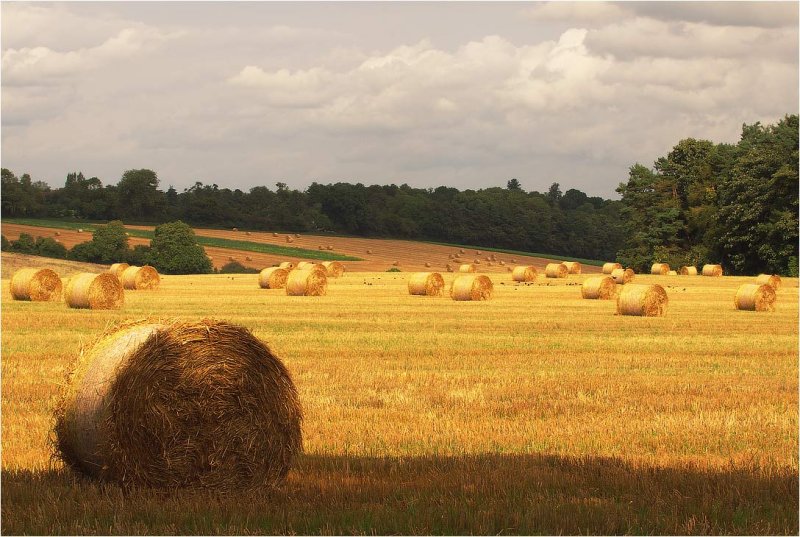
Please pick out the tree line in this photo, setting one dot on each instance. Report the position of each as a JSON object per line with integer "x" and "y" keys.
{"x": 734, "y": 204}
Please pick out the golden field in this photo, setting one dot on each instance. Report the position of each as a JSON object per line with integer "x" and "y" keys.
{"x": 536, "y": 412}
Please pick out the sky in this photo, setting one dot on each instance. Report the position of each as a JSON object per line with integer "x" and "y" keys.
{"x": 459, "y": 94}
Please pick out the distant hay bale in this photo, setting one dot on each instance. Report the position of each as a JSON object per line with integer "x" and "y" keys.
{"x": 462, "y": 252}
{"x": 286, "y": 265}
{"x": 478, "y": 252}
{"x": 139, "y": 278}
{"x": 369, "y": 251}
{"x": 524, "y": 273}
{"x": 556, "y": 270}
{"x": 574, "y": 267}
{"x": 501, "y": 263}
{"x": 642, "y": 300}
{"x": 274, "y": 234}
{"x": 167, "y": 405}
{"x": 599, "y": 287}
{"x": 672, "y": 273}
{"x": 513, "y": 260}
{"x": 427, "y": 265}
{"x": 306, "y": 265}
{"x": 396, "y": 264}
{"x": 289, "y": 239}
{"x": 477, "y": 262}
{"x": 488, "y": 263}
{"x": 471, "y": 287}
{"x": 320, "y": 247}
{"x": 273, "y": 278}
{"x": 688, "y": 271}
{"x": 466, "y": 267}
{"x": 755, "y": 297}
{"x": 36, "y": 285}
{"x": 661, "y": 269}
{"x": 58, "y": 233}
{"x": 118, "y": 268}
{"x": 235, "y": 229}
{"x": 773, "y": 280}
{"x": 307, "y": 282}
{"x": 426, "y": 284}
{"x": 333, "y": 269}
{"x": 80, "y": 230}
{"x": 450, "y": 256}
{"x": 330, "y": 247}
{"x": 623, "y": 276}
{"x": 248, "y": 258}
{"x": 94, "y": 291}
{"x": 712, "y": 270}
{"x": 296, "y": 235}
{"x": 448, "y": 267}
{"x": 247, "y": 233}
{"x": 608, "y": 268}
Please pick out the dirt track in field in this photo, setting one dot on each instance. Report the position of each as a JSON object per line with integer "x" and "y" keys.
{"x": 377, "y": 254}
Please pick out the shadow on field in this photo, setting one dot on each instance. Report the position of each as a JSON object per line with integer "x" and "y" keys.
{"x": 517, "y": 494}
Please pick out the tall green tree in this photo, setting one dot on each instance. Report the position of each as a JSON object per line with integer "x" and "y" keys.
{"x": 174, "y": 250}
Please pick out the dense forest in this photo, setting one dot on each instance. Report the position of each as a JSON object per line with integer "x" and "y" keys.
{"x": 702, "y": 202}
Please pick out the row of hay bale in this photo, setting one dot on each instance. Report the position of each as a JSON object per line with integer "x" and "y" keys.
{"x": 463, "y": 288}
{"x": 305, "y": 279}
{"x": 663, "y": 269}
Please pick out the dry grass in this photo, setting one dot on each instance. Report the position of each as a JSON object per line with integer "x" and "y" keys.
{"x": 443, "y": 417}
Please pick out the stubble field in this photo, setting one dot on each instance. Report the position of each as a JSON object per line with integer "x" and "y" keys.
{"x": 535, "y": 412}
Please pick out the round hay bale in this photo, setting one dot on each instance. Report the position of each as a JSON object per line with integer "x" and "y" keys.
{"x": 574, "y": 267}
{"x": 661, "y": 269}
{"x": 289, "y": 239}
{"x": 599, "y": 287}
{"x": 608, "y": 268}
{"x": 247, "y": 233}
{"x": 642, "y": 300}
{"x": 286, "y": 265}
{"x": 58, "y": 233}
{"x": 773, "y": 280}
{"x": 427, "y": 265}
{"x": 118, "y": 268}
{"x": 80, "y": 230}
{"x": 688, "y": 271}
{"x": 462, "y": 252}
{"x": 524, "y": 273}
{"x": 448, "y": 267}
{"x": 94, "y": 291}
{"x": 248, "y": 258}
{"x": 304, "y": 264}
{"x": 510, "y": 269}
{"x": 330, "y": 247}
{"x": 556, "y": 270}
{"x": 477, "y": 262}
{"x": 296, "y": 235}
{"x": 478, "y": 252}
{"x": 369, "y": 251}
{"x": 501, "y": 263}
{"x": 488, "y": 263}
{"x": 471, "y": 287}
{"x": 712, "y": 270}
{"x": 168, "y": 405}
{"x": 273, "y": 278}
{"x": 137, "y": 278}
{"x": 320, "y": 247}
{"x": 235, "y": 229}
{"x": 307, "y": 282}
{"x": 274, "y": 234}
{"x": 426, "y": 284}
{"x": 396, "y": 264}
{"x": 672, "y": 273}
{"x": 755, "y": 297}
{"x": 623, "y": 276}
{"x": 466, "y": 267}
{"x": 36, "y": 285}
{"x": 334, "y": 269}
{"x": 513, "y": 260}
{"x": 450, "y": 256}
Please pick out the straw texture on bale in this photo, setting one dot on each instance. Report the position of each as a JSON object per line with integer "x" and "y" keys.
{"x": 712, "y": 270}
{"x": 773, "y": 280}
{"x": 574, "y": 267}
{"x": 118, "y": 268}
{"x": 599, "y": 287}
{"x": 334, "y": 269}
{"x": 755, "y": 297}
{"x": 94, "y": 291}
{"x": 273, "y": 278}
{"x": 661, "y": 269}
{"x": 642, "y": 300}
{"x": 286, "y": 265}
{"x": 556, "y": 270}
{"x": 426, "y": 284}
{"x": 524, "y": 273}
{"x": 467, "y": 267}
{"x": 672, "y": 273}
{"x": 622, "y": 276}
{"x": 307, "y": 282}
{"x": 471, "y": 287}
{"x": 168, "y": 405}
{"x": 36, "y": 285}
{"x": 608, "y": 268}
{"x": 688, "y": 271}
{"x": 145, "y": 277}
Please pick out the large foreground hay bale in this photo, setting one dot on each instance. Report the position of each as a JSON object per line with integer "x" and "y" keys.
{"x": 467, "y": 268}
{"x": 773, "y": 280}
{"x": 334, "y": 269}
{"x": 524, "y": 273}
{"x": 599, "y": 287}
{"x": 755, "y": 297}
{"x": 471, "y": 287}
{"x": 37, "y": 285}
{"x": 574, "y": 267}
{"x": 145, "y": 277}
{"x": 94, "y": 291}
{"x": 661, "y": 269}
{"x": 688, "y": 271}
{"x": 556, "y": 270}
{"x": 623, "y": 276}
{"x": 426, "y": 283}
{"x": 608, "y": 268}
{"x": 642, "y": 300}
{"x": 307, "y": 282}
{"x": 273, "y": 278}
{"x": 712, "y": 270}
{"x": 118, "y": 268}
{"x": 171, "y": 405}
